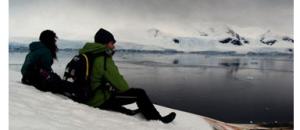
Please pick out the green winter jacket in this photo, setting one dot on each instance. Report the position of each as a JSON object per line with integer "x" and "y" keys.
{"x": 111, "y": 75}
{"x": 39, "y": 55}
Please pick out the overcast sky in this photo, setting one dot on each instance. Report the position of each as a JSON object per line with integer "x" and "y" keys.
{"x": 79, "y": 19}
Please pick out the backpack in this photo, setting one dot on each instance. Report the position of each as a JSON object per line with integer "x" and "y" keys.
{"x": 78, "y": 72}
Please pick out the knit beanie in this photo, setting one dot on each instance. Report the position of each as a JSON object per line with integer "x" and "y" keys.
{"x": 103, "y": 36}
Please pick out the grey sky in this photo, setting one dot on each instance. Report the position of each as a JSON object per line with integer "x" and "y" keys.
{"x": 81, "y": 18}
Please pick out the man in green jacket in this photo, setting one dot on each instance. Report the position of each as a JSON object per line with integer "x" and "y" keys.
{"x": 105, "y": 73}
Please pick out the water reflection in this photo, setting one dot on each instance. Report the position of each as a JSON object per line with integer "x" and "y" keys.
{"x": 232, "y": 66}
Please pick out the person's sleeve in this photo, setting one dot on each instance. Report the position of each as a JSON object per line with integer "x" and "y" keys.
{"x": 113, "y": 75}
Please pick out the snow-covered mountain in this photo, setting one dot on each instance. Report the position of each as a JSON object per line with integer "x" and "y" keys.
{"x": 269, "y": 38}
{"x": 221, "y": 39}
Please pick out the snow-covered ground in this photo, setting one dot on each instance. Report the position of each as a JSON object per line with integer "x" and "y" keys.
{"x": 30, "y": 108}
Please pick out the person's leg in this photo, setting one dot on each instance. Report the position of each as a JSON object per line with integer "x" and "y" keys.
{"x": 145, "y": 105}
{"x": 41, "y": 85}
{"x": 65, "y": 88}
{"x": 143, "y": 102}
{"x": 58, "y": 86}
{"x": 114, "y": 104}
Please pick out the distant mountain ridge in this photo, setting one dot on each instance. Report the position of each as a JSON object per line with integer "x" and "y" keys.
{"x": 214, "y": 40}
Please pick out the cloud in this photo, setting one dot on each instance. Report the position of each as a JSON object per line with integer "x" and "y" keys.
{"x": 81, "y": 18}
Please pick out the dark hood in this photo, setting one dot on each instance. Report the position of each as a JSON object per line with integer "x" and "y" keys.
{"x": 36, "y": 45}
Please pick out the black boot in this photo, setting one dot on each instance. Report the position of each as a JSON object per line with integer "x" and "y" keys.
{"x": 168, "y": 118}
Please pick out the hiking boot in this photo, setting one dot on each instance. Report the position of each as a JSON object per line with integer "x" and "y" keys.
{"x": 168, "y": 118}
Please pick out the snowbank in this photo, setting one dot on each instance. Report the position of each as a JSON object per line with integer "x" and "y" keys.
{"x": 30, "y": 108}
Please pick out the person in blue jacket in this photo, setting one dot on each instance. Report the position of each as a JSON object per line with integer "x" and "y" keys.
{"x": 37, "y": 70}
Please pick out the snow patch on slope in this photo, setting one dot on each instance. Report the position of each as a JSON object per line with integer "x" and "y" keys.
{"x": 30, "y": 108}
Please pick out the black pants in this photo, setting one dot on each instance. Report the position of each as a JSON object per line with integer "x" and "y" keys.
{"x": 53, "y": 83}
{"x": 145, "y": 106}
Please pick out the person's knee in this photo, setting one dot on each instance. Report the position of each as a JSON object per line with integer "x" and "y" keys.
{"x": 140, "y": 93}
{"x": 139, "y": 90}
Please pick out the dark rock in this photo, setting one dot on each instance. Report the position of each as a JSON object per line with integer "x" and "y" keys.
{"x": 176, "y": 40}
{"x": 245, "y": 41}
{"x": 175, "y": 61}
{"x": 236, "y": 42}
{"x": 268, "y": 42}
{"x": 226, "y": 40}
{"x": 234, "y": 38}
{"x": 288, "y": 39}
